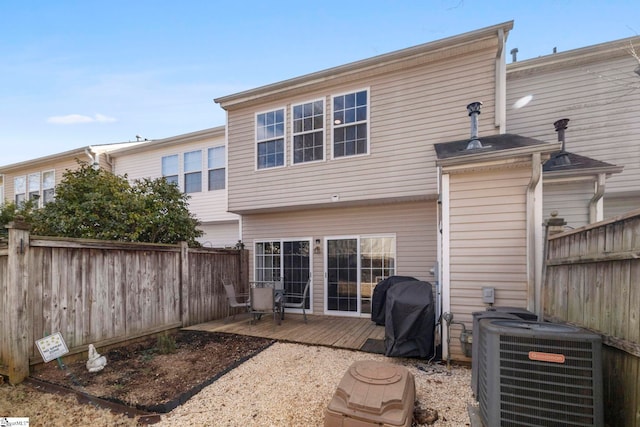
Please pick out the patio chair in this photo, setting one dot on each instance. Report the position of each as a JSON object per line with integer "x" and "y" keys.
{"x": 299, "y": 301}
{"x": 234, "y": 300}
{"x": 262, "y": 301}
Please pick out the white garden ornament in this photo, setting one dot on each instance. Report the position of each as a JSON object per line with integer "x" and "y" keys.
{"x": 96, "y": 362}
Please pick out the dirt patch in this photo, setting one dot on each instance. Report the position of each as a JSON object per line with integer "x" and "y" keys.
{"x": 158, "y": 374}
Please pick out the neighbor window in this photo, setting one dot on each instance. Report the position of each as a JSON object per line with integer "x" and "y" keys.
{"x": 34, "y": 186}
{"x": 350, "y": 112}
{"x": 308, "y": 132}
{"x": 216, "y": 165}
{"x": 20, "y": 189}
{"x": 48, "y": 186}
{"x": 170, "y": 168}
{"x": 1, "y": 190}
{"x": 270, "y": 139}
{"x": 193, "y": 171}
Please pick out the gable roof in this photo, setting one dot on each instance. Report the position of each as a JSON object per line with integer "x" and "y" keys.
{"x": 400, "y": 59}
{"x": 94, "y": 149}
{"x": 494, "y": 147}
{"x": 564, "y": 164}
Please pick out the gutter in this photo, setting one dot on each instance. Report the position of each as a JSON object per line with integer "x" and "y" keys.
{"x": 534, "y": 237}
{"x": 595, "y": 207}
{"x": 501, "y": 82}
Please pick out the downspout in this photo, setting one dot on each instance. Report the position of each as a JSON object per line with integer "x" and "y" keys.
{"x": 501, "y": 82}
{"x": 534, "y": 238}
{"x": 93, "y": 158}
{"x": 595, "y": 204}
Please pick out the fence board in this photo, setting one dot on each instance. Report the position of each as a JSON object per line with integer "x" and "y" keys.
{"x": 97, "y": 292}
{"x": 593, "y": 280}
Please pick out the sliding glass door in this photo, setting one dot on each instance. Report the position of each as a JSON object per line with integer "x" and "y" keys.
{"x": 354, "y": 265}
{"x": 289, "y": 259}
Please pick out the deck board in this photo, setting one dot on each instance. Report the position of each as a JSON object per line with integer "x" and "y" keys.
{"x": 331, "y": 331}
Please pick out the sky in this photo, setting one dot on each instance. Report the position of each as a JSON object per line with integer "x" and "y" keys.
{"x": 88, "y": 72}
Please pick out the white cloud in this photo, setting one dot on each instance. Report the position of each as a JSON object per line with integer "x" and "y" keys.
{"x": 72, "y": 119}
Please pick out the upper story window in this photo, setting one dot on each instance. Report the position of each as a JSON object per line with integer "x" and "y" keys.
{"x": 193, "y": 171}
{"x": 20, "y": 189}
{"x": 350, "y": 117}
{"x": 308, "y": 132}
{"x": 170, "y": 168}
{"x": 216, "y": 161}
{"x": 1, "y": 190}
{"x": 34, "y": 186}
{"x": 48, "y": 186}
{"x": 270, "y": 139}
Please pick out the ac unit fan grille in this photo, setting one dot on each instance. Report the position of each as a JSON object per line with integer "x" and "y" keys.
{"x": 552, "y": 393}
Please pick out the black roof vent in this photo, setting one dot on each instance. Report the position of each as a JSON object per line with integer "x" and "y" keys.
{"x": 474, "y": 112}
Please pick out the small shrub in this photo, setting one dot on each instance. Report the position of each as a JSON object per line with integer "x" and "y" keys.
{"x": 166, "y": 344}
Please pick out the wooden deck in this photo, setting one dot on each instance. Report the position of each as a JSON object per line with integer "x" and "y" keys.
{"x": 340, "y": 332}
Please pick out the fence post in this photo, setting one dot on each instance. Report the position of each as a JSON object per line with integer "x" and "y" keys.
{"x": 17, "y": 337}
{"x": 184, "y": 284}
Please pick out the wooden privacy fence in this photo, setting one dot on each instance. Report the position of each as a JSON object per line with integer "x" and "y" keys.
{"x": 102, "y": 293}
{"x": 593, "y": 280}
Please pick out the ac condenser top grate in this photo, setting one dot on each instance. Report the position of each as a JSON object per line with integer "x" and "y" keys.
{"x": 539, "y": 374}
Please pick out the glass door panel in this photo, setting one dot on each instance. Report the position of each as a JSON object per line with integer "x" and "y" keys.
{"x": 342, "y": 275}
{"x": 296, "y": 263}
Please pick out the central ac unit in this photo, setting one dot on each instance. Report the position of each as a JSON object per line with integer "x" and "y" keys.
{"x": 539, "y": 374}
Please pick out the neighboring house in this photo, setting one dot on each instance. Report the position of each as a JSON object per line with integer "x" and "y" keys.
{"x": 598, "y": 89}
{"x": 37, "y": 178}
{"x": 334, "y": 175}
{"x": 196, "y": 162}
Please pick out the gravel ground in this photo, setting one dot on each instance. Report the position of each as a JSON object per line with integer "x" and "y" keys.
{"x": 285, "y": 385}
{"x": 291, "y": 385}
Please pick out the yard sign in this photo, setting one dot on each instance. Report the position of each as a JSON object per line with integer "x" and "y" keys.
{"x": 52, "y": 347}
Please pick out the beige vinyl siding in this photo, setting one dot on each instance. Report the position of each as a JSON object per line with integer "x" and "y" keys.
{"x": 409, "y": 111}
{"x": 570, "y": 201}
{"x": 487, "y": 242}
{"x": 220, "y": 235}
{"x": 413, "y": 224}
{"x": 206, "y": 205}
{"x": 601, "y": 97}
{"x": 59, "y": 166}
{"x": 616, "y": 206}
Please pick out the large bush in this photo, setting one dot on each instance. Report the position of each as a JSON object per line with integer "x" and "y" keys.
{"x": 96, "y": 204}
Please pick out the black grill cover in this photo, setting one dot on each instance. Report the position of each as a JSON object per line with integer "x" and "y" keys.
{"x": 380, "y": 295}
{"x": 410, "y": 320}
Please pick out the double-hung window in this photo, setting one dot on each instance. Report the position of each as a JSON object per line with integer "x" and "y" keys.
{"x": 20, "y": 189}
{"x": 48, "y": 186}
{"x": 270, "y": 139}
{"x": 216, "y": 164}
{"x": 193, "y": 171}
{"x": 308, "y": 132}
{"x": 350, "y": 118}
{"x": 34, "y": 186}
{"x": 170, "y": 168}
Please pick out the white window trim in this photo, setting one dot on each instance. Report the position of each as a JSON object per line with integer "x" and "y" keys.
{"x": 323, "y": 130}
{"x": 179, "y": 155}
{"x": 2, "y": 201}
{"x": 208, "y": 169}
{"x": 358, "y": 238}
{"x": 368, "y": 153}
{"x": 42, "y": 188}
{"x": 181, "y": 160}
{"x": 26, "y": 190}
{"x": 255, "y": 139}
{"x": 281, "y": 240}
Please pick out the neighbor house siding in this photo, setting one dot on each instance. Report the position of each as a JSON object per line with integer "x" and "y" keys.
{"x": 409, "y": 111}
{"x": 598, "y": 90}
{"x": 59, "y": 166}
{"x": 570, "y": 201}
{"x": 147, "y": 163}
{"x": 413, "y": 224}
{"x": 487, "y": 241}
{"x": 219, "y": 234}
